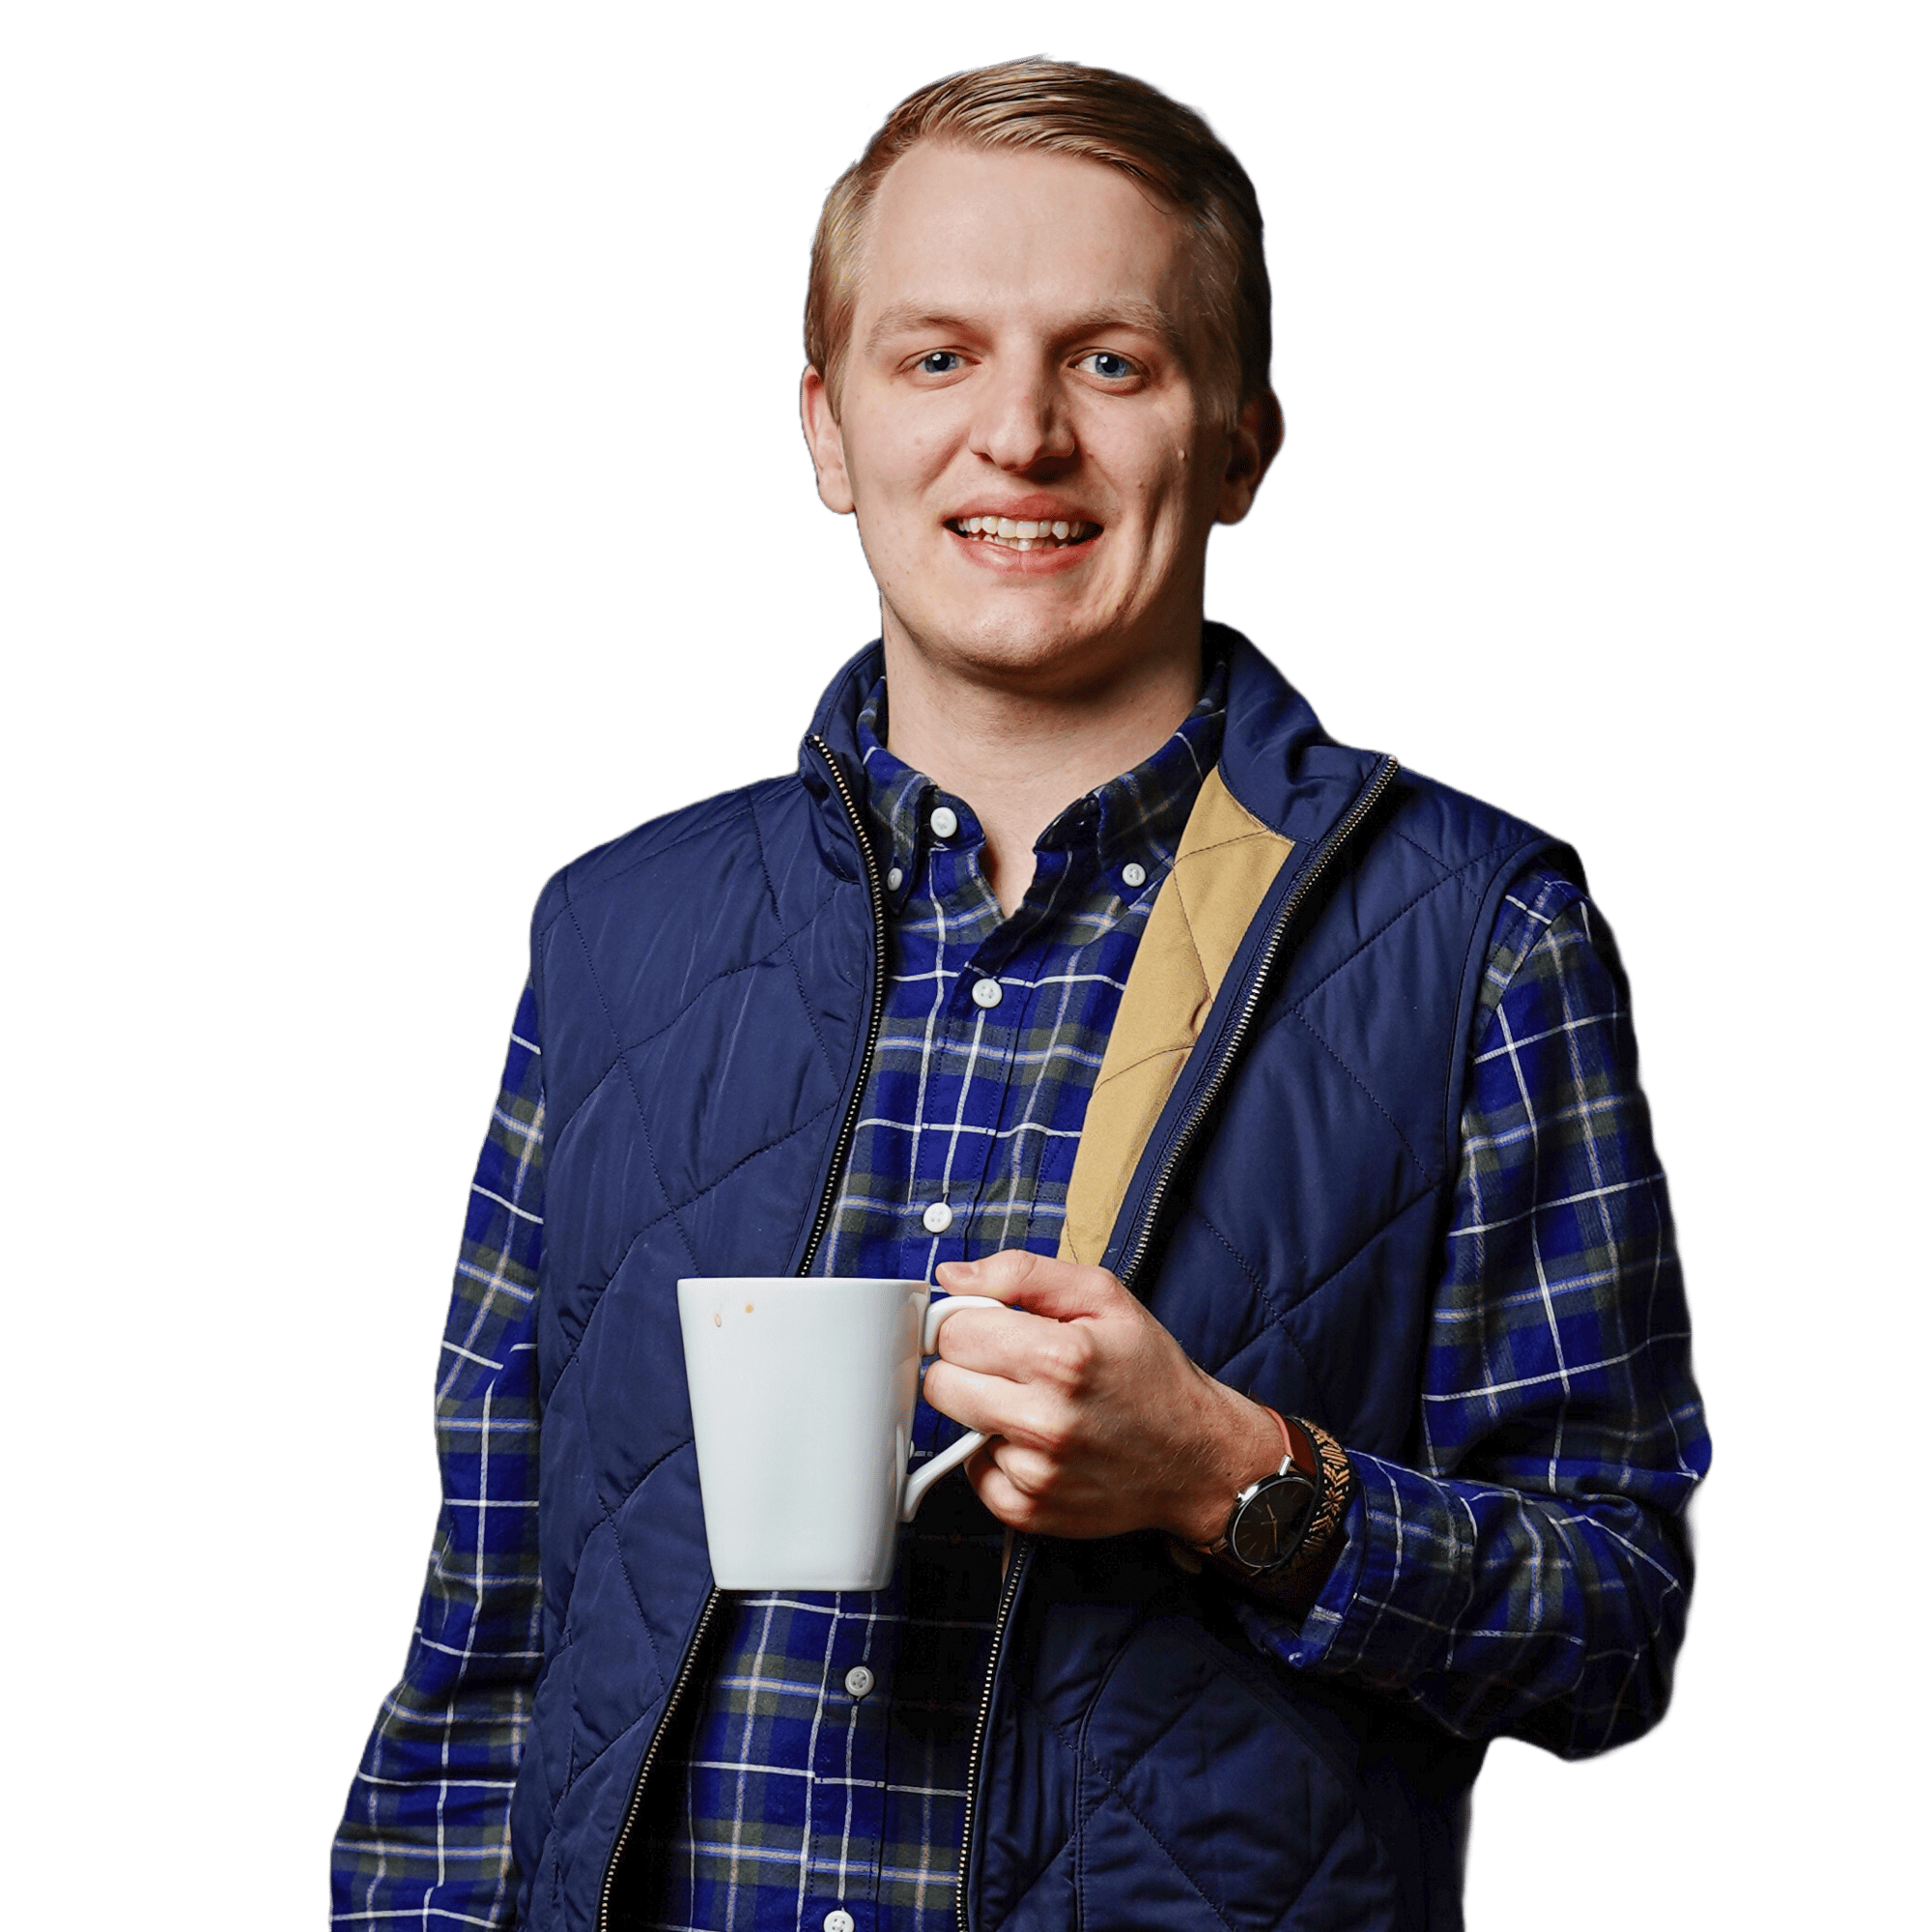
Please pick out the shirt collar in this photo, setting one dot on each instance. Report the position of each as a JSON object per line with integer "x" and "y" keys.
{"x": 1137, "y": 817}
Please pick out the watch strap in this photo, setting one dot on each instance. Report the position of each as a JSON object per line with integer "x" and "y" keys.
{"x": 1337, "y": 1490}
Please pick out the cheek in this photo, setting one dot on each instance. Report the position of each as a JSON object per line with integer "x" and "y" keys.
{"x": 1155, "y": 470}
{"x": 1167, "y": 498}
{"x": 896, "y": 458}
{"x": 1191, "y": 485}
{"x": 896, "y": 503}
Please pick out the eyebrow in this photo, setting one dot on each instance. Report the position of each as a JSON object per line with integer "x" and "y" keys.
{"x": 912, "y": 318}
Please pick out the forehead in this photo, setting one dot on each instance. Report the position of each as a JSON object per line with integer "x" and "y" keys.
{"x": 1011, "y": 236}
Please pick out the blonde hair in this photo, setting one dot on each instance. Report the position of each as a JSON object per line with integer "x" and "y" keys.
{"x": 1093, "y": 114}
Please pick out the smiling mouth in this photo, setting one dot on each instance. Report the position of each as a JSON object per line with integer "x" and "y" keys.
{"x": 1022, "y": 533}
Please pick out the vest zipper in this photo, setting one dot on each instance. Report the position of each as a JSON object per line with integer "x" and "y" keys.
{"x": 877, "y": 893}
{"x": 1150, "y": 1215}
{"x": 827, "y": 1201}
{"x": 1015, "y": 1570}
{"x": 634, "y": 1809}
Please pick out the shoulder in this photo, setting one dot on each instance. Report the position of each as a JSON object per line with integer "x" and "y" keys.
{"x": 1542, "y": 902}
{"x": 1551, "y": 954}
{"x": 1463, "y": 833}
{"x": 683, "y": 849}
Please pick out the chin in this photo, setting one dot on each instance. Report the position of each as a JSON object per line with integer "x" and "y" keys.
{"x": 1052, "y": 646}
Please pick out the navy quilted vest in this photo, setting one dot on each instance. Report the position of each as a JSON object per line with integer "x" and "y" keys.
{"x": 706, "y": 985}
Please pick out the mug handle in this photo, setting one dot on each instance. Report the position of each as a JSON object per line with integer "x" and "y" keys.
{"x": 922, "y": 1479}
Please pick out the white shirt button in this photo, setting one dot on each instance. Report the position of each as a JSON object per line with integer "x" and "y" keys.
{"x": 1134, "y": 873}
{"x": 894, "y": 879}
{"x": 838, "y": 1920}
{"x": 937, "y": 1218}
{"x": 945, "y": 821}
{"x": 986, "y": 993}
{"x": 859, "y": 1679}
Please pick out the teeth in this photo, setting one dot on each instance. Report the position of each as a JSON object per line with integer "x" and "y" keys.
{"x": 1022, "y": 533}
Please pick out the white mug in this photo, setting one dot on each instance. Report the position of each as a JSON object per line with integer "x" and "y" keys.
{"x": 802, "y": 1394}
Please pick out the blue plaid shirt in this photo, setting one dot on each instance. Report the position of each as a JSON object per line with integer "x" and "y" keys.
{"x": 1508, "y": 1580}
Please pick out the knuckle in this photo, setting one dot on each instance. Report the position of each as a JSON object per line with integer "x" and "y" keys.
{"x": 1071, "y": 1357}
{"x": 1005, "y": 1272}
{"x": 1022, "y": 1267}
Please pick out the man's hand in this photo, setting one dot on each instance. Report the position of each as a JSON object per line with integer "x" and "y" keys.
{"x": 1101, "y": 1424}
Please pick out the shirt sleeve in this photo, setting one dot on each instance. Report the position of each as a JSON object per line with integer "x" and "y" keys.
{"x": 425, "y": 1838}
{"x": 1525, "y": 1571}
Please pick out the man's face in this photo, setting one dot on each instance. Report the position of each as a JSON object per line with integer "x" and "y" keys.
{"x": 1017, "y": 359}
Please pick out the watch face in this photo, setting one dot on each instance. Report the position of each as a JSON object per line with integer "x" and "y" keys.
{"x": 1268, "y": 1528}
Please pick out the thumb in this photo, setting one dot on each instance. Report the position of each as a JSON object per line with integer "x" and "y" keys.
{"x": 1040, "y": 1284}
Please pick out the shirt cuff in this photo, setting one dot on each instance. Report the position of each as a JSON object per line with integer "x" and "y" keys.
{"x": 1390, "y": 1603}
{"x": 1304, "y": 1643}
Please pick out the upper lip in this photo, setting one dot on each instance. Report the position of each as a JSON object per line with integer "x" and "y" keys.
{"x": 1025, "y": 509}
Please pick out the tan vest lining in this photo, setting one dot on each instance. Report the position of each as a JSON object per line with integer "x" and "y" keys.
{"x": 1226, "y": 861}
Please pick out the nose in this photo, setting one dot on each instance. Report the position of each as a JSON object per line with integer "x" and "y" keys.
{"x": 1022, "y": 422}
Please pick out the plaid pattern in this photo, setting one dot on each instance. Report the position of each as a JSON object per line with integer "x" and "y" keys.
{"x": 1503, "y": 1580}
{"x": 426, "y": 1836}
{"x": 979, "y": 1107}
{"x": 795, "y": 1796}
{"x": 798, "y": 1797}
{"x": 1516, "y": 1577}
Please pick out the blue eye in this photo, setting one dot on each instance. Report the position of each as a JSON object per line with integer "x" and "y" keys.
{"x": 939, "y": 363}
{"x": 1106, "y": 364}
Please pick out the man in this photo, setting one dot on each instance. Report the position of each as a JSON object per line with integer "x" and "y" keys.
{"x": 1341, "y": 1415}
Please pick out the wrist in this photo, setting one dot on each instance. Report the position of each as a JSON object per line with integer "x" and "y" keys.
{"x": 1243, "y": 1443}
{"x": 1284, "y": 1530}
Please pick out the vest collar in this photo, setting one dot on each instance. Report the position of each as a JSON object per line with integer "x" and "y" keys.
{"x": 1275, "y": 757}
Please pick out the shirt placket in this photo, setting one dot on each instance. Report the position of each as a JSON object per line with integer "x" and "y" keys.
{"x": 970, "y": 1053}
{"x": 961, "y": 1108}
{"x": 848, "y": 1765}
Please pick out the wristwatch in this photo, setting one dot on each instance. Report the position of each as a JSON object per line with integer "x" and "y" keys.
{"x": 1293, "y": 1511}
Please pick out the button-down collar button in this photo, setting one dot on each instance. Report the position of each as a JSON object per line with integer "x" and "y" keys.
{"x": 857, "y": 1681}
{"x": 937, "y": 1218}
{"x": 895, "y": 878}
{"x": 1134, "y": 872}
{"x": 945, "y": 821}
{"x": 838, "y": 1920}
{"x": 986, "y": 992}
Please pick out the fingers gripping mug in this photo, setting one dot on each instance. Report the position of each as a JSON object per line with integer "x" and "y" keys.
{"x": 802, "y": 1394}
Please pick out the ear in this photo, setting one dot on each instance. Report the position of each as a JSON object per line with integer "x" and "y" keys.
{"x": 1253, "y": 444}
{"x": 822, "y": 436}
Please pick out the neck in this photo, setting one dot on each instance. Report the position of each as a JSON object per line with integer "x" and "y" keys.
{"x": 1019, "y": 754}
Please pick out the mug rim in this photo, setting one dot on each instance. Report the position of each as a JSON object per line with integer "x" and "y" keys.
{"x": 805, "y": 1281}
